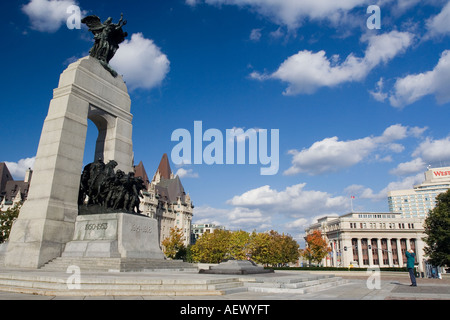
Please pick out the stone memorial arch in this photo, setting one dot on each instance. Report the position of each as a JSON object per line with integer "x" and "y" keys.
{"x": 87, "y": 90}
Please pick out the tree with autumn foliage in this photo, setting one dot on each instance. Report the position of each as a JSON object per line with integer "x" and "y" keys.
{"x": 317, "y": 247}
{"x": 211, "y": 247}
{"x": 285, "y": 249}
{"x": 174, "y": 244}
{"x": 259, "y": 248}
{"x": 272, "y": 248}
{"x": 267, "y": 248}
{"x": 238, "y": 245}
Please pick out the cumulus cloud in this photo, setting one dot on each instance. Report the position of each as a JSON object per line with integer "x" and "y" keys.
{"x": 234, "y": 218}
{"x": 378, "y": 93}
{"x": 48, "y": 15}
{"x": 439, "y": 24}
{"x": 186, "y": 173}
{"x": 292, "y": 13}
{"x": 368, "y": 193}
{"x": 434, "y": 151}
{"x": 255, "y": 35}
{"x": 18, "y": 169}
{"x": 307, "y": 71}
{"x": 294, "y": 199}
{"x": 407, "y": 168}
{"x": 265, "y": 208}
{"x": 141, "y": 62}
{"x": 411, "y": 88}
{"x": 331, "y": 154}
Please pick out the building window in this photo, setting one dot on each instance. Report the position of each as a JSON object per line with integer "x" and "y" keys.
{"x": 365, "y": 251}
{"x": 394, "y": 251}
{"x": 403, "y": 247}
{"x": 413, "y": 247}
{"x": 375, "y": 252}
{"x": 355, "y": 250}
{"x": 384, "y": 248}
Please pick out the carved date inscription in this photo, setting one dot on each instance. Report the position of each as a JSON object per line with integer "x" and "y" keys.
{"x": 144, "y": 229}
{"x": 98, "y": 226}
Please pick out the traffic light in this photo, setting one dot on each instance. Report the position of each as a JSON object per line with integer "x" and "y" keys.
{"x": 345, "y": 248}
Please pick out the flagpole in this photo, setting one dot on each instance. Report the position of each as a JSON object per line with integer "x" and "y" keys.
{"x": 351, "y": 202}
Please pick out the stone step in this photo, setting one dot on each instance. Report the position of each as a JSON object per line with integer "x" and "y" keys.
{"x": 298, "y": 288}
{"x": 53, "y": 283}
{"x": 100, "y": 293}
{"x": 130, "y": 286}
{"x": 116, "y": 264}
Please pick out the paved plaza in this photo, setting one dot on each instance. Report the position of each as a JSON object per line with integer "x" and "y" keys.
{"x": 392, "y": 286}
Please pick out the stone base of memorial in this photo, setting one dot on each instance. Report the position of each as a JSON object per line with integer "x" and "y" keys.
{"x": 115, "y": 235}
{"x": 237, "y": 267}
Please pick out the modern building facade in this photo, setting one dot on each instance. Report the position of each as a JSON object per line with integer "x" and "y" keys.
{"x": 417, "y": 202}
{"x": 371, "y": 239}
{"x": 166, "y": 200}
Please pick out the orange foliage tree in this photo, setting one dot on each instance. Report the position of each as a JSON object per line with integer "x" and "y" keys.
{"x": 317, "y": 247}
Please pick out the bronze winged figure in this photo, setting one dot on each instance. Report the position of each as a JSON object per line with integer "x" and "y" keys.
{"x": 108, "y": 36}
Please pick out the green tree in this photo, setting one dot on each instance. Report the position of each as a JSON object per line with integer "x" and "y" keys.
{"x": 437, "y": 229}
{"x": 173, "y": 245}
{"x": 7, "y": 219}
{"x": 259, "y": 248}
{"x": 285, "y": 249}
{"x": 211, "y": 247}
{"x": 238, "y": 243}
{"x": 272, "y": 248}
{"x": 268, "y": 248}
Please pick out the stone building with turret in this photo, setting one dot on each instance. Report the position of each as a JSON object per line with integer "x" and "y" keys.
{"x": 166, "y": 200}
{"x": 12, "y": 192}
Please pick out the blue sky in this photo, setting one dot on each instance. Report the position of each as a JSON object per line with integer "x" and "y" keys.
{"x": 360, "y": 111}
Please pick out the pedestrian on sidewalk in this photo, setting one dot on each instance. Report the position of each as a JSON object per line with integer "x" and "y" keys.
{"x": 411, "y": 259}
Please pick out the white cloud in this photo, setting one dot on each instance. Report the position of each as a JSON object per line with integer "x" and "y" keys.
{"x": 192, "y": 2}
{"x": 18, "y": 169}
{"x": 411, "y": 88}
{"x": 265, "y": 208}
{"x": 367, "y": 193}
{"x": 141, "y": 62}
{"x": 255, "y": 34}
{"x": 378, "y": 94}
{"x": 407, "y": 168}
{"x": 293, "y": 200}
{"x": 439, "y": 24}
{"x": 434, "y": 151}
{"x": 292, "y": 13}
{"x": 331, "y": 154}
{"x": 47, "y": 15}
{"x": 233, "y": 218}
{"x": 186, "y": 173}
{"x": 306, "y": 71}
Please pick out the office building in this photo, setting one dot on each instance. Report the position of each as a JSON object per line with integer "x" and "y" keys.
{"x": 417, "y": 202}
